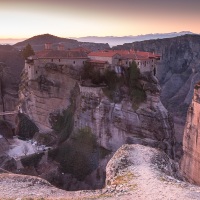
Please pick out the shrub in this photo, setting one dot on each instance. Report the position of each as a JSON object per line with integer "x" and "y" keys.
{"x": 111, "y": 79}
{"x": 89, "y": 72}
{"x": 32, "y": 160}
{"x": 25, "y": 127}
{"x": 63, "y": 123}
{"x": 79, "y": 155}
{"x": 137, "y": 94}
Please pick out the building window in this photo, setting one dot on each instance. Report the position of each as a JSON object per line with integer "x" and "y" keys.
{"x": 59, "y": 60}
{"x": 51, "y": 60}
{"x": 74, "y": 62}
{"x": 36, "y": 72}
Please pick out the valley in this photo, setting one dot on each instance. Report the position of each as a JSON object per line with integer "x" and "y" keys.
{"x": 100, "y": 118}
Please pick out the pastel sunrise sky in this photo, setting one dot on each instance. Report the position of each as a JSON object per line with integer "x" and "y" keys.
{"x": 77, "y": 18}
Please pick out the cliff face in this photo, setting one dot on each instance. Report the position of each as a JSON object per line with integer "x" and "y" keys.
{"x": 178, "y": 72}
{"x": 115, "y": 124}
{"x": 48, "y": 93}
{"x": 190, "y": 163}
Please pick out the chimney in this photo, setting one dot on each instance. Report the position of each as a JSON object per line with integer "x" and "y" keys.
{"x": 61, "y": 47}
{"x": 47, "y": 46}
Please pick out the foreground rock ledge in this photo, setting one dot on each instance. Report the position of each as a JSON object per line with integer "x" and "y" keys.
{"x": 134, "y": 172}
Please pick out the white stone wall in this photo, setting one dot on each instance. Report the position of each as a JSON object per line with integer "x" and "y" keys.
{"x": 76, "y": 62}
{"x": 146, "y": 65}
{"x": 111, "y": 60}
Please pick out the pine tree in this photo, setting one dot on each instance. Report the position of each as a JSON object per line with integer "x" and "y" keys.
{"x": 27, "y": 51}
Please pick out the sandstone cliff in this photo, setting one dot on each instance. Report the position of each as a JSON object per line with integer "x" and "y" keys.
{"x": 115, "y": 124}
{"x": 178, "y": 72}
{"x": 191, "y": 142}
{"x": 134, "y": 172}
{"x": 48, "y": 93}
{"x": 57, "y": 101}
{"x": 112, "y": 123}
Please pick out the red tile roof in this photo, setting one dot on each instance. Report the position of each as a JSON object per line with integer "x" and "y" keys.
{"x": 131, "y": 54}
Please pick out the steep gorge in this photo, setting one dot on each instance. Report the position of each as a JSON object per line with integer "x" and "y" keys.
{"x": 177, "y": 72}
{"x": 57, "y": 96}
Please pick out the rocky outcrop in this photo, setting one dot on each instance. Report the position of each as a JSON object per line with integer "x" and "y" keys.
{"x": 48, "y": 93}
{"x": 134, "y": 172}
{"x": 115, "y": 124}
{"x": 190, "y": 162}
{"x": 178, "y": 72}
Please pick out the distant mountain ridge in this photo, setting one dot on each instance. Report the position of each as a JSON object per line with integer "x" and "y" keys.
{"x": 114, "y": 40}
{"x": 37, "y": 42}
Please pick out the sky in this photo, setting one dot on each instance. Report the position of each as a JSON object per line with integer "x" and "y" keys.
{"x": 79, "y": 18}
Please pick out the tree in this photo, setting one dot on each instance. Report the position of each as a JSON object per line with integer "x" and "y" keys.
{"x": 27, "y": 51}
{"x": 134, "y": 74}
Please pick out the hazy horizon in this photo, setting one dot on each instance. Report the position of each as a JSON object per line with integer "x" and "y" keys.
{"x": 12, "y": 41}
{"x": 80, "y": 18}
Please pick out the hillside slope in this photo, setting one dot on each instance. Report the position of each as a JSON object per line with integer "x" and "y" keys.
{"x": 37, "y": 42}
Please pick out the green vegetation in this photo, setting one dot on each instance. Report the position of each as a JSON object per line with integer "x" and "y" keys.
{"x": 136, "y": 91}
{"x": 63, "y": 123}
{"x": 85, "y": 136}
{"x": 27, "y": 51}
{"x": 78, "y": 155}
{"x": 130, "y": 79}
{"x": 25, "y": 127}
{"x": 90, "y": 73}
{"x": 114, "y": 84}
{"x": 32, "y": 160}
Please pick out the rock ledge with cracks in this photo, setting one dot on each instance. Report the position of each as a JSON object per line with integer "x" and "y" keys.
{"x": 134, "y": 172}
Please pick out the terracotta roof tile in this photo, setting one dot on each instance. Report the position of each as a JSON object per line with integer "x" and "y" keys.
{"x": 131, "y": 54}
